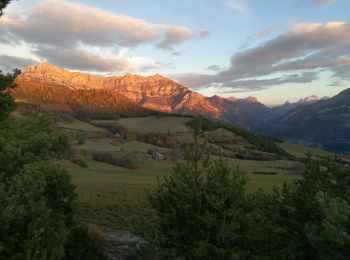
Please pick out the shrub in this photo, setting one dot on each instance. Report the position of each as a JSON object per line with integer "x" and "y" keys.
{"x": 77, "y": 157}
{"x": 80, "y": 138}
{"x": 158, "y": 139}
{"x": 124, "y": 161}
{"x": 105, "y": 157}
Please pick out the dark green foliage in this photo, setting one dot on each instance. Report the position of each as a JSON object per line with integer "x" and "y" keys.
{"x": 3, "y": 4}
{"x": 200, "y": 209}
{"x": 80, "y": 138}
{"x": 311, "y": 218}
{"x": 37, "y": 198}
{"x": 262, "y": 143}
{"x": 7, "y": 103}
{"x": 80, "y": 247}
{"x": 26, "y": 227}
{"x": 29, "y": 140}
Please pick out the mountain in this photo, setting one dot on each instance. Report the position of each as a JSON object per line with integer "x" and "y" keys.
{"x": 153, "y": 92}
{"x": 325, "y": 123}
{"x": 84, "y": 104}
{"x": 281, "y": 109}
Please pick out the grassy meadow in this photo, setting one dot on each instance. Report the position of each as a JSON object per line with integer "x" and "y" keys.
{"x": 114, "y": 196}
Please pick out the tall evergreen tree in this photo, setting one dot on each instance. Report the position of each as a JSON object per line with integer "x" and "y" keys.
{"x": 200, "y": 208}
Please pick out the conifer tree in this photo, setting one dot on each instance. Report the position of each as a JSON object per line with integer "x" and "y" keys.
{"x": 200, "y": 208}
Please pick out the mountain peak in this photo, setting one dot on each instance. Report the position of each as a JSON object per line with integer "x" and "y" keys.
{"x": 308, "y": 99}
{"x": 232, "y": 99}
{"x": 250, "y": 99}
{"x": 158, "y": 75}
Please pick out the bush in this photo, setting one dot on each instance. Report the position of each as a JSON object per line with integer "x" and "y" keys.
{"x": 159, "y": 139}
{"x": 80, "y": 138}
{"x": 105, "y": 157}
{"x": 37, "y": 198}
{"x": 77, "y": 157}
{"x": 125, "y": 161}
{"x": 80, "y": 246}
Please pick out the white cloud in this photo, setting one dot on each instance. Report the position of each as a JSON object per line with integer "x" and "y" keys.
{"x": 238, "y": 6}
{"x": 60, "y": 22}
{"x": 323, "y": 2}
{"x": 304, "y": 48}
{"x": 68, "y": 34}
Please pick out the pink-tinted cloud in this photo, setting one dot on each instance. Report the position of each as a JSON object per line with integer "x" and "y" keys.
{"x": 58, "y": 22}
{"x": 303, "y": 48}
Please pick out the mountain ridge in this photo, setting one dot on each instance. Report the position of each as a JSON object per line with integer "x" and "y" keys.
{"x": 156, "y": 93}
{"x": 324, "y": 123}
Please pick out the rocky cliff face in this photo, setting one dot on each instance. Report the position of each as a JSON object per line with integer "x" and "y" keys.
{"x": 157, "y": 93}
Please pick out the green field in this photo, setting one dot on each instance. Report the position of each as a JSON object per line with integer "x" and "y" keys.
{"x": 301, "y": 151}
{"x": 154, "y": 124}
{"x": 114, "y": 196}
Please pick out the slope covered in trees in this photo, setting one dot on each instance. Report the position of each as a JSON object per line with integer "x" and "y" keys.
{"x": 90, "y": 102}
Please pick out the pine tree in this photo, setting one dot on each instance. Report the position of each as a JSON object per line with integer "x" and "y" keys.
{"x": 200, "y": 208}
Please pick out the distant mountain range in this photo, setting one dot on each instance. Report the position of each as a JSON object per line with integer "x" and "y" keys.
{"x": 281, "y": 109}
{"x": 153, "y": 92}
{"x": 325, "y": 123}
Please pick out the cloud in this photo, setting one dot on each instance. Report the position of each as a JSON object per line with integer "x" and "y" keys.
{"x": 323, "y": 2}
{"x": 214, "y": 67}
{"x": 177, "y": 53}
{"x": 176, "y": 35}
{"x": 265, "y": 32}
{"x": 68, "y": 34}
{"x": 238, "y": 6}
{"x": 303, "y": 48}
{"x": 86, "y": 61}
{"x": 341, "y": 72}
{"x": 8, "y": 63}
{"x": 258, "y": 84}
{"x": 58, "y": 22}
{"x": 337, "y": 83}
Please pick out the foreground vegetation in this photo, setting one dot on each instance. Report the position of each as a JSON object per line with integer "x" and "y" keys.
{"x": 113, "y": 172}
{"x": 202, "y": 211}
{"x": 223, "y": 193}
{"x": 38, "y": 210}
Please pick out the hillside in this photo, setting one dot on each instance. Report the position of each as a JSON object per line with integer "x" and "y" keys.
{"x": 324, "y": 123}
{"x": 154, "y": 92}
{"x": 85, "y": 104}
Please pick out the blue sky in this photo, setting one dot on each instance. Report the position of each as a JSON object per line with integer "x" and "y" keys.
{"x": 183, "y": 39}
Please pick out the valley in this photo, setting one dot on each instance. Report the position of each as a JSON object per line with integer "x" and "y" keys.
{"x": 310, "y": 121}
{"x": 113, "y": 196}
{"x": 177, "y": 129}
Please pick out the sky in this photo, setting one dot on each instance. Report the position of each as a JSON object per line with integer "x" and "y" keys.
{"x": 275, "y": 50}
